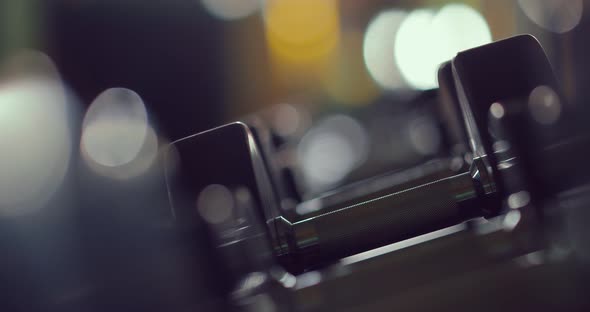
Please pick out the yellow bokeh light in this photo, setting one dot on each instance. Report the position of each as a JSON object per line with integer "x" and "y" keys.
{"x": 301, "y": 31}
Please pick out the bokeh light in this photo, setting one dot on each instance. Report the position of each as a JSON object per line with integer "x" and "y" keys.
{"x": 301, "y": 31}
{"x": 232, "y": 9}
{"x": 288, "y": 120}
{"x": 331, "y": 150}
{"x": 378, "y": 47}
{"x": 414, "y": 55}
{"x": 117, "y": 140}
{"x": 497, "y": 110}
{"x": 544, "y": 105}
{"x": 425, "y": 40}
{"x": 215, "y": 203}
{"x": 459, "y": 27}
{"x": 558, "y": 16}
{"x": 35, "y": 134}
{"x": 424, "y": 135}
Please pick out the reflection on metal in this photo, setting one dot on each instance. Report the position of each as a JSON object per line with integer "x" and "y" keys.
{"x": 288, "y": 280}
{"x": 309, "y": 206}
{"x": 403, "y": 244}
{"x": 518, "y": 200}
{"x": 511, "y": 220}
{"x": 531, "y": 259}
{"x": 389, "y": 218}
{"x": 308, "y": 279}
{"x": 252, "y": 281}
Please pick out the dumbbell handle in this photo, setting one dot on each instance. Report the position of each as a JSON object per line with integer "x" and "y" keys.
{"x": 387, "y": 219}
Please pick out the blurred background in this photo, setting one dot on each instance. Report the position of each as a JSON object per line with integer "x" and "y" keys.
{"x": 91, "y": 92}
{"x": 308, "y": 67}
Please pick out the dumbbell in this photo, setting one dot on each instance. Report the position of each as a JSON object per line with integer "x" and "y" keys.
{"x": 228, "y": 157}
{"x": 441, "y": 105}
